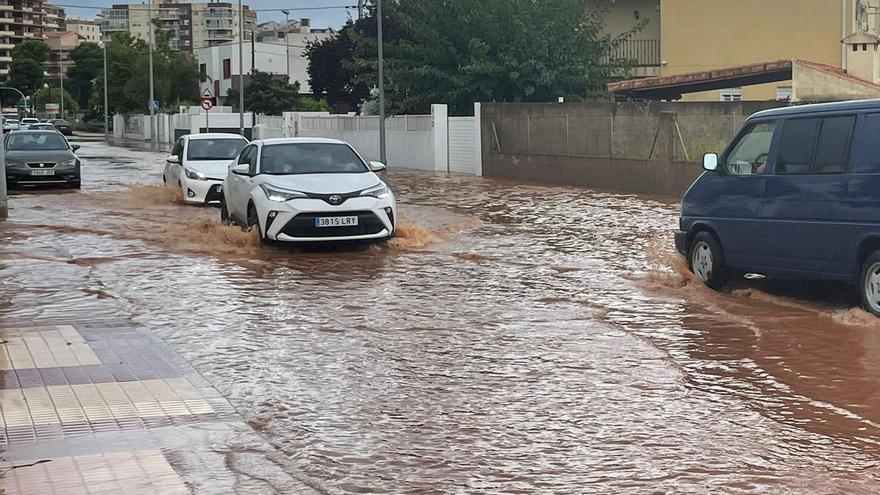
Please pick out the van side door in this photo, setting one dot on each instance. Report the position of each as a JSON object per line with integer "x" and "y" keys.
{"x": 806, "y": 196}
{"x": 729, "y": 199}
{"x": 862, "y": 207}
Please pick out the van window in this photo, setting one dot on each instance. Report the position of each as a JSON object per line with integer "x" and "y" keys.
{"x": 796, "y": 146}
{"x": 867, "y": 154}
{"x": 749, "y": 155}
{"x": 832, "y": 150}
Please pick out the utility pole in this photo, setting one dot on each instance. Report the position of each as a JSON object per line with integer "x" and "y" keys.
{"x": 253, "y": 51}
{"x": 287, "y": 39}
{"x": 360, "y": 9}
{"x": 240, "y": 69}
{"x": 61, "y": 74}
{"x": 106, "y": 82}
{"x": 381, "y": 88}
{"x": 153, "y": 134}
{"x": 4, "y": 205}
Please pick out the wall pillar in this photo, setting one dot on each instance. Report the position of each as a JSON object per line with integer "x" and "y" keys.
{"x": 478, "y": 138}
{"x": 440, "y": 127}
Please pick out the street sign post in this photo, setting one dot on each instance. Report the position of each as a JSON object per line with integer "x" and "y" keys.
{"x": 207, "y": 102}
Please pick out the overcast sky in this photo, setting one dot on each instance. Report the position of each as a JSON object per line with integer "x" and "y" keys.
{"x": 323, "y": 17}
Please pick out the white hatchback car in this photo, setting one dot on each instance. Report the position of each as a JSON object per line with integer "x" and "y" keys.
{"x": 308, "y": 190}
{"x": 199, "y": 162}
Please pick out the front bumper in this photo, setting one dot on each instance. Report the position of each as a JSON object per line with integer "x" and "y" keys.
{"x": 23, "y": 177}
{"x": 199, "y": 192}
{"x": 681, "y": 244}
{"x": 294, "y": 221}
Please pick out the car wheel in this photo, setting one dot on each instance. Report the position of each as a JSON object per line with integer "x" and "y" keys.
{"x": 224, "y": 212}
{"x": 870, "y": 284}
{"x": 706, "y": 260}
{"x": 76, "y": 184}
{"x": 253, "y": 222}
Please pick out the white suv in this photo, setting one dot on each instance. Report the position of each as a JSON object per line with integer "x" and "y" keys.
{"x": 199, "y": 162}
{"x": 308, "y": 190}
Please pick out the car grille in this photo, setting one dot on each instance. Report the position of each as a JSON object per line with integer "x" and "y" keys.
{"x": 41, "y": 164}
{"x": 303, "y": 225}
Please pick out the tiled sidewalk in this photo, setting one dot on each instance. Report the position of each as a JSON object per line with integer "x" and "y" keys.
{"x": 89, "y": 410}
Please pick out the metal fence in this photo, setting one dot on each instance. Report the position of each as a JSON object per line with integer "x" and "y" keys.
{"x": 638, "y": 53}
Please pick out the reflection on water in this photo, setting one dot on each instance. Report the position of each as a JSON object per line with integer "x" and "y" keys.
{"x": 512, "y": 338}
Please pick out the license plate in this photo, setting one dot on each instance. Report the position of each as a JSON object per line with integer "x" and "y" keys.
{"x": 336, "y": 221}
{"x": 42, "y": 172}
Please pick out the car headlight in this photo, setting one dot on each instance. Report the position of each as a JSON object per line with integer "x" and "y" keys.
{"x": 15, "y": 164}
{"x": 68, "y": 163}
{"x": 194, "y": 174}
{"x": 379, "y": 191}
{"x": 280, "y": 195}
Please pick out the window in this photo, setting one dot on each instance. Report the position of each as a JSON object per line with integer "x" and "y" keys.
{"x": 245, "y": 155}
{"x": 203, "y": 71}
{"x": 227, "y": 68}
{"x": 178, "y": 148}
{"x": 832, "y": 150}
{"x": 796, "y": 146}
{"x": 311, "y": 158}
{"x": 783, "y": 93}
{"x": 815, "y": 146}
{"x": 867, "y": 159}
{"x": 731, "y": 94}
{"x": 252, "y": 160}
{"x": 749, "y": 155}
{"x": 214, "y": 149}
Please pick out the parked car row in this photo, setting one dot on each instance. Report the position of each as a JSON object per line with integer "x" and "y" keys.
{"x": 290, "y": 190}
{"x": 60, "y": 125}
{"x": 796, "y": 195}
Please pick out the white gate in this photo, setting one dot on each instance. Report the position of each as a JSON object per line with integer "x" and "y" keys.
{"x": 464, "y": 148}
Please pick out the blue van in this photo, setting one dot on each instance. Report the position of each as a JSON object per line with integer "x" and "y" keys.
{"x": 796, "y": 194}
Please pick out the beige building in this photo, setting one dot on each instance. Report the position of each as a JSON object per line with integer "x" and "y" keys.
{"x": 87, "y": 30}
{"x": 54, "y": 18}
{"x": 707, "y": 35}
{"x": 61, "y": 43}
{"x": 195, "y": 25}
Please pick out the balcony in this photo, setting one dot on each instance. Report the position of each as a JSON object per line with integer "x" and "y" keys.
{"x": 219, "y": 14}
{"x": 7, "y": 46}
{"x": 642, "y": 57}
{"x": 4, "y": 72}
{"x": 6, "y": 7}
{"x": 214, "y": 34}
{"x": 7, "y": 20}
{"x": 5, "y": 59}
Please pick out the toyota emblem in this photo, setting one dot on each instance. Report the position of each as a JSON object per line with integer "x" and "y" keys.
{"x": 335, "y": 199}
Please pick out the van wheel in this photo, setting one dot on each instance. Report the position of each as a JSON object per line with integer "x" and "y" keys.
{"x": 706, "y": 260}
{"x": 870, "y": 286}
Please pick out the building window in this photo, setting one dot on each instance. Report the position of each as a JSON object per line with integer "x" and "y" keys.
{"x": 227, "y": 68}
{"x": 203, "y": 71}
{"x": 783, "y": 93}
{"x": 731, "y": 94}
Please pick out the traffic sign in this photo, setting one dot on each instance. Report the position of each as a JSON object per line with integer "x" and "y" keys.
{"x": 207, "y": 103}
{"x": 154, "y": 104}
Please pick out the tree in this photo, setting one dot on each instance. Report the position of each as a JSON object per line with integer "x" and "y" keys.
{"x": 461, "y": 52}
{"x": 328, "y": 74}
{"x": 53, "y": 95}
{"x": 28, "y": 64}
{"x": 88, "y": 61}
{"x": 266, "y": 93}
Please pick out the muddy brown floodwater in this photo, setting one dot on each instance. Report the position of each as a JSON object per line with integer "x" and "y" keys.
{"x": 514, "y": 338}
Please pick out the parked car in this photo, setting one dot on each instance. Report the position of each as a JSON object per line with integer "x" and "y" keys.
{"x": 11, "y": 125}
{"x": 199, "y": 162}
{"x": 62, "y": 126}
{"x": 795, "y": 195}
{"x": 308, "y": 190}
{"x": 41, "y": 157}
{"x": 27, "y": 121}
{"x": 41, "y": 126}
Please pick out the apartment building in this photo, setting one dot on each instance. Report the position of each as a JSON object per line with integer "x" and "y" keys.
{"x": 195, "y": 25}
{"x": 61, "y": 43}
{"x": 677, "y": 37}
{"x": 87, "y": 30}
{"x": 278, "y": 32}
{"x": 54, "y": 18}
{"x": 19, "y": 20}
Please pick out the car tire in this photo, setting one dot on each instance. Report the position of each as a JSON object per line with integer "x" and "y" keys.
{"x": 224, "y": 212}
{"x": 76, "y": 184}
{"x": 253, "y": 222}
{"x": 706, "y": 260}
{"x": 869, "y": 284}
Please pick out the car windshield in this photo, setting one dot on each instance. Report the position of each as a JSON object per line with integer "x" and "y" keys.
{"x": 12, "y": 121}
{"x": 214, "y": 149}
{"x": 310, "y": 158}
{"x": 36, "y": 141}
{"x": 60, "y": 122}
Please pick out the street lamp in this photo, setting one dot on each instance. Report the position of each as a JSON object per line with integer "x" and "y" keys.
{"x": 61, "y": 74}
{"x": 287, "y": 39}
{"x": 106, "y": 82}
{"x": 153, "y": 134}
{"x": 240, "y": 69}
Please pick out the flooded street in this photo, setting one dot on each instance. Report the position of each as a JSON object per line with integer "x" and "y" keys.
{"x": 513, "y": 338}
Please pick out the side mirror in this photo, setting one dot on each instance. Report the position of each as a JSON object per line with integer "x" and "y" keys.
{"x": 377, "y": 166}
{"x": 173, "y": 159}
{"x": 710, "y": 161}
{"x": 242, "y": 169}
{"x": 74, "y": 147}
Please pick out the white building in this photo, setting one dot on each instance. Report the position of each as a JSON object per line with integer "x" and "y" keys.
{"x": 88, "y": 30}
{"x": 221, "y": 65}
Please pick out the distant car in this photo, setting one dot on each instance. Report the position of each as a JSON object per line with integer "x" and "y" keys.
{"x": 62, "y": 126}
{"x": 41, "y": 157}
{"x": 308, "y": 190}
{"x": 199, "y": 162}
{"x": 28, "y": 121}
{"x": 42, "y": 126}
{"x": 11, "y": 125}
